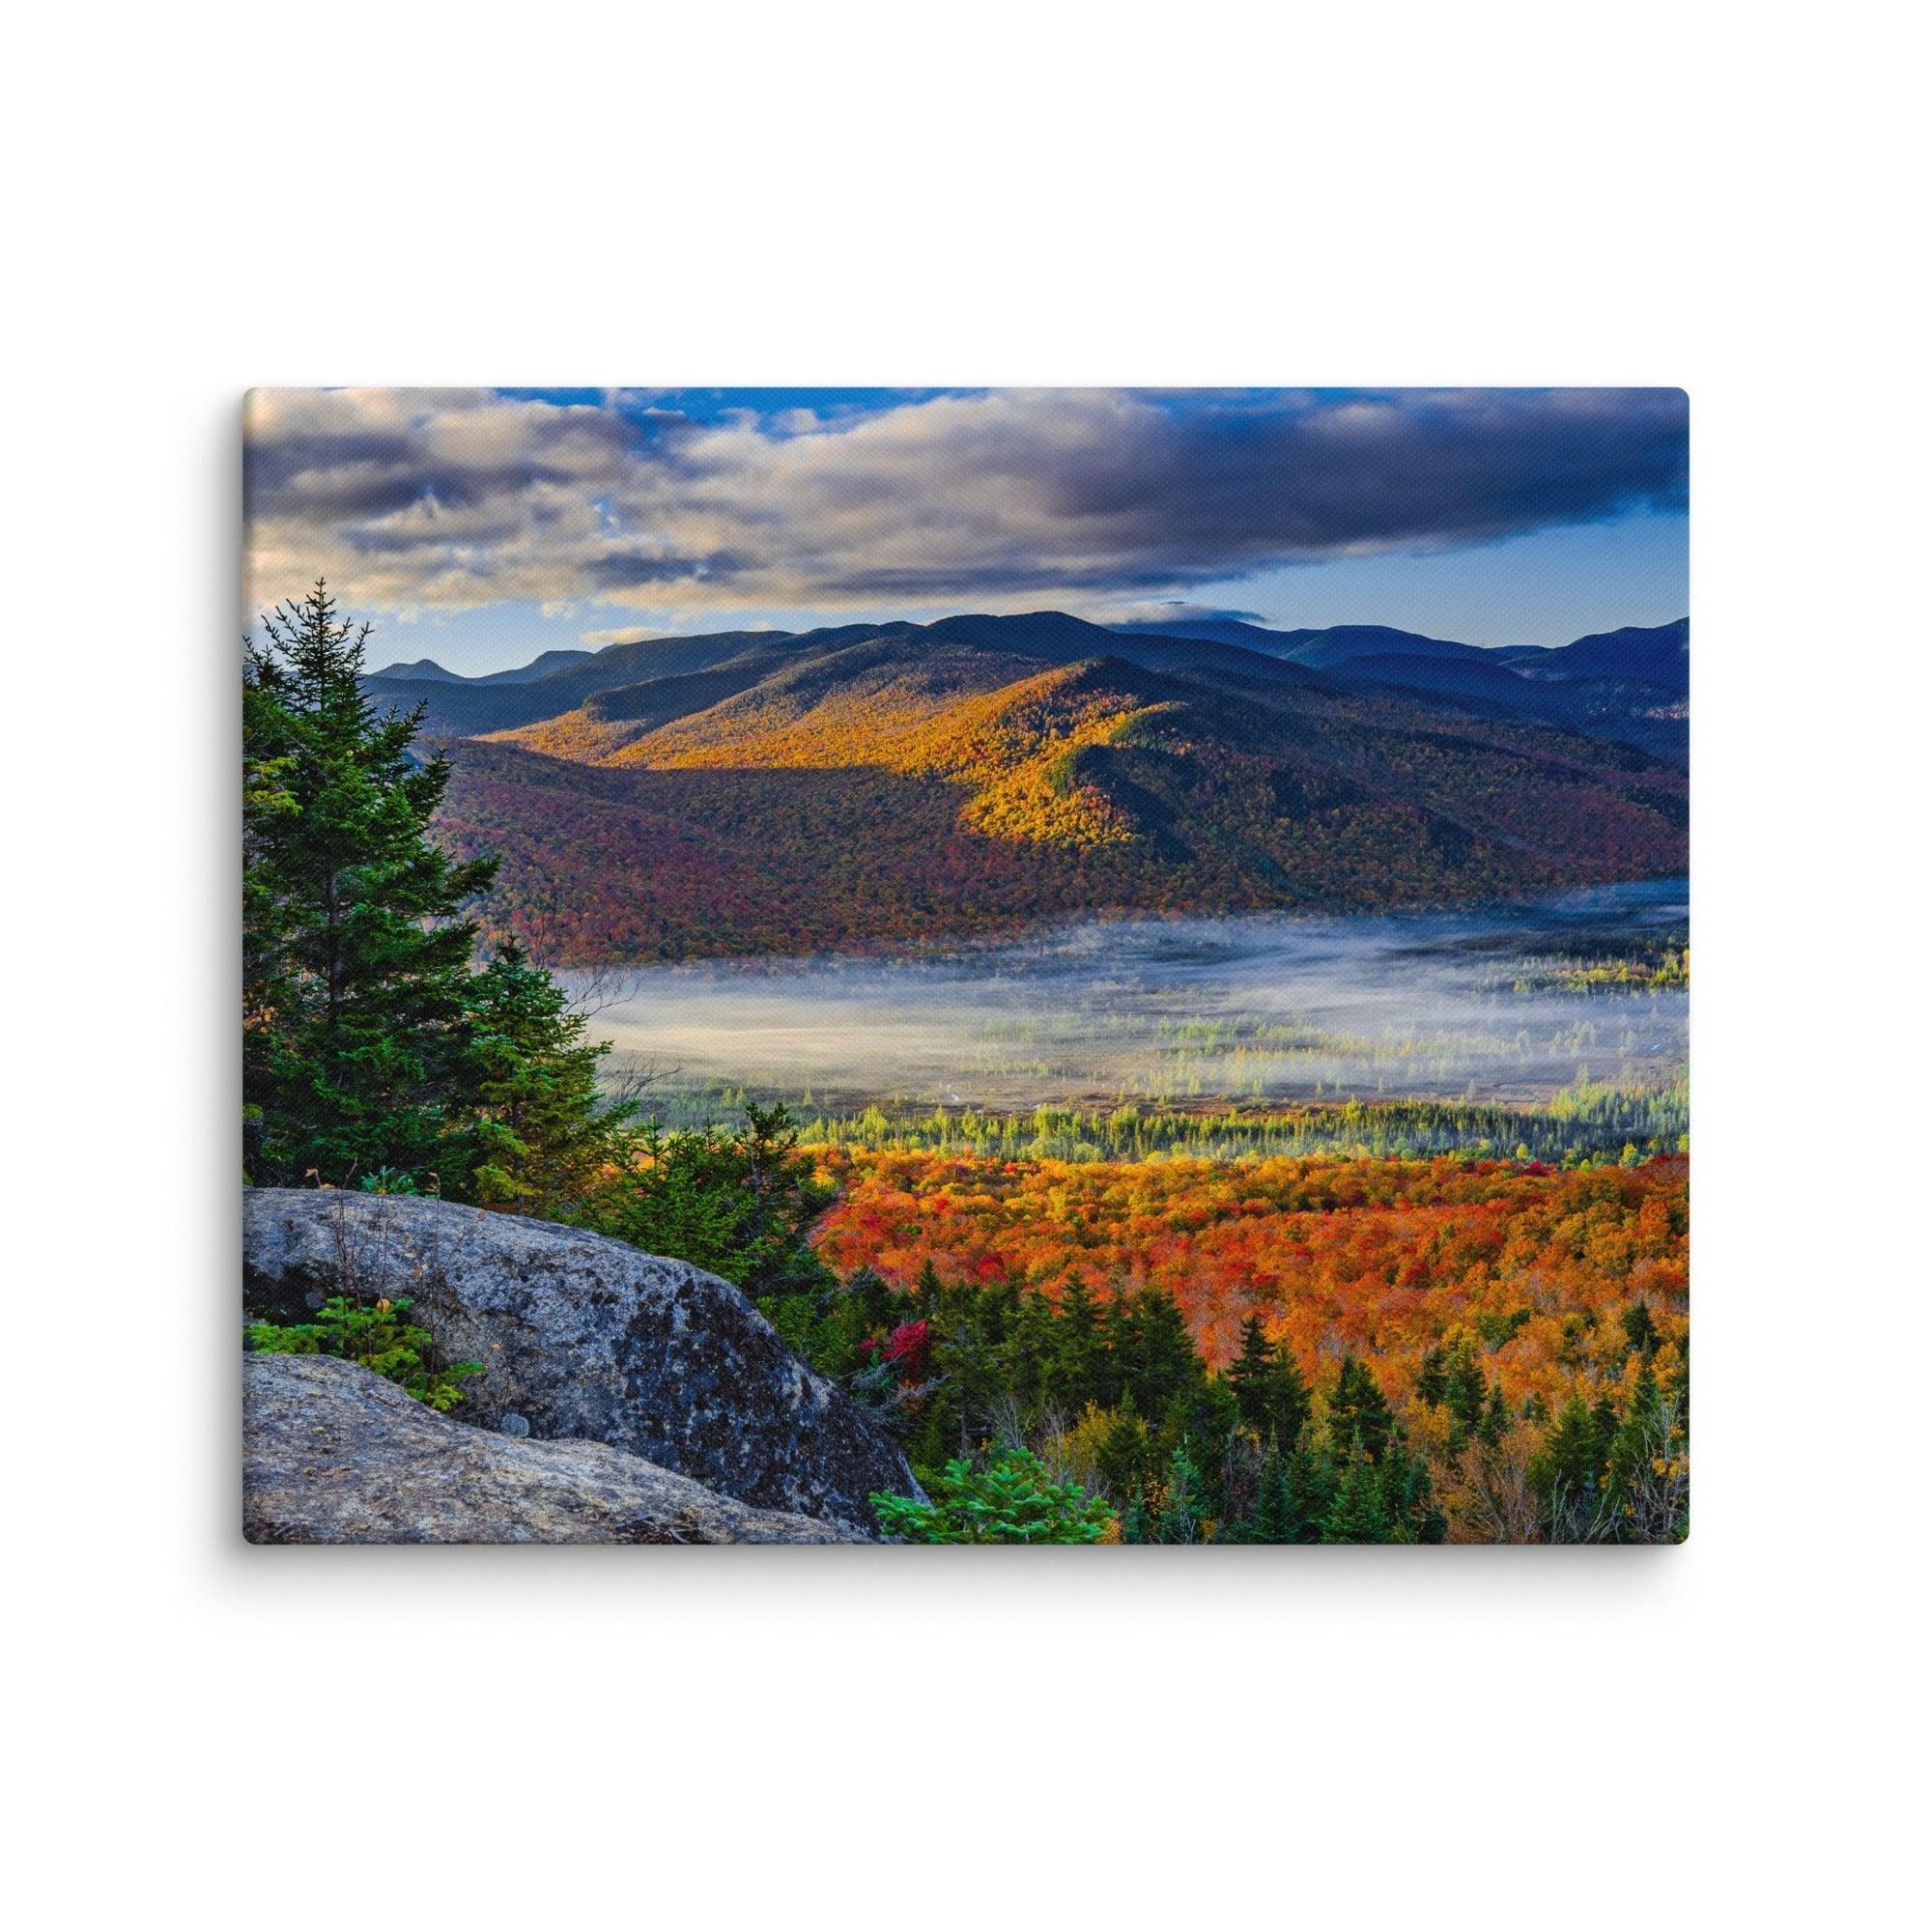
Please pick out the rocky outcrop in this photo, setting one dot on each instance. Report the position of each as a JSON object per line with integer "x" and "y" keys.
{"x": 334, "y": 1454}
{"x": 584, "y": 1338}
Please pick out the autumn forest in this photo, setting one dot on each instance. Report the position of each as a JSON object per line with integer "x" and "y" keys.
{"x": 1299, "y": 1213}
{"x": 1187, "y": 1079}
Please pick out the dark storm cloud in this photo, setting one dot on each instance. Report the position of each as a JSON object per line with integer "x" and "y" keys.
{"x": 463, "y": 497}
{"x": 1368, "y": 473}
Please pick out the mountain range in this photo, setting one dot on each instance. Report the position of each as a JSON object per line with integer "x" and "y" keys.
{"x": 766, "y": 792}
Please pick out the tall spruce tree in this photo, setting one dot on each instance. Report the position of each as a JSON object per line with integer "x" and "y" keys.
{"x": 1029, "y": 1354}
{"x": 1310, "y": 1475}
{"x": 356, "y": 947}
{"x": 1268, "y": 1385}
{"x": 1077, "y": 1374}
{"x": 1358, "y": 1412}
{"x": 1465, "y": 1388}
{"x": 1275, "y": 1517}
{"x": 1359, "y": 1512}
{"x": 1565, "y": 1474}
{"x": 541, "y": 1140}
{"x": 1247, "y": 1374}
{"x": 1148, "y": 1335}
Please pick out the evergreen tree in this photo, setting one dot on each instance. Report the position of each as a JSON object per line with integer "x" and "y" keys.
{"x": 876, "y": 1307}
{"x": 968, "y": 1360}
{"x": 1247, "y": 1374}
{"x": 1359, "y": 1512}
{"x": 1358, "y": 1411}
{"x": 1407, "y": 1497}
{"x": 1012, "y": 1501}
{"x": 355, "y": 949}
{"x": 1203, "y": 1419}
{"x": 1155, "y": 1354}
{"x": 1030, "y": 1357}
{"x": 1432, "y": 1384}
{"x": 740, "y": 1205}
{"x": 929, "y": 1290}
{"x": 541, "y": 1141}
{"x": 1640, "y": 1330}
{"x": 1495, "y": 1421}
{"x": 1179, "y": 1515}
{"x": 1269, "y": 1385}
{"x": 1464, "y": 1387}
{"x": 1280, "y": 1512}
{"x": 1640, "y": 1503}
{"x": 1565, "y": 1474}
{"x": 1125, "y": 1455}
{"x": 1078, "y": 1345}
{"x": 1310, "y": 1481}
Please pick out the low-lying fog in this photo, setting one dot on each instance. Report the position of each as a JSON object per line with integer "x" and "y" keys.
{"x": 1252, "y": 1009}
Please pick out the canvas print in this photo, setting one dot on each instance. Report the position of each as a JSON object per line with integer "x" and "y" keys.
{"x": 966, "y": 966}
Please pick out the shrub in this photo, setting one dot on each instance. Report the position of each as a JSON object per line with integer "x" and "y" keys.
{"x": 1012, "y": 1501}
{"x": 378, "y": 1338}
{"x": 740, "y": 1205}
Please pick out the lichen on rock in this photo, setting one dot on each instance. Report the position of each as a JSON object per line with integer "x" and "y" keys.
{"x": 334, "y": 1454}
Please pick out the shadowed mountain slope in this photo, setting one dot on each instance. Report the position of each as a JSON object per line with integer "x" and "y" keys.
{"x": 903, "y": 782}
{"x": 1658, "y": 655}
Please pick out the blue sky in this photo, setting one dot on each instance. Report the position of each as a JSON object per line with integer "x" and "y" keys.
{"x": 480, "y": 527}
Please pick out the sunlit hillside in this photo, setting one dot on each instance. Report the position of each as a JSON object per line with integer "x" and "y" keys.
{"x": 954, "y": 785}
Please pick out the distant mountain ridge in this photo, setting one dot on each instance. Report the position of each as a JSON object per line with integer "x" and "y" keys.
{"x": 428, "y": 670}
{"x": 1318, "y": 648}
{"x": 1658, "y": 655}
{"x": 1629, "y": 684}
{"x": 773, "y": 791}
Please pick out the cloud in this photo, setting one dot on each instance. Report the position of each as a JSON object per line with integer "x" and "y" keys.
{"x": 1167, "y": 611}
{"x": 457, "y": 499}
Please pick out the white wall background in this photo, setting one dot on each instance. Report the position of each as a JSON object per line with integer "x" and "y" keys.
{"x": 208, "y": 197}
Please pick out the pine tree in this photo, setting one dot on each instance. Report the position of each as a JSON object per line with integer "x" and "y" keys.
{"x": 1358, "y": 1411}
{"x": 356, "y": 947}
{"x": 1204, "y": 1418}
{"x": 1077, "y": 1374}
{"x": 1030, "y": 1355}
{"x": 1640, "y": 1330}
{"x": 541, "y": 1141}
{"x": 1248, "y": 1373}
{"x": 968, "y": 1363}
{"x": 1432, "y": 1383}
{"x": 740, "y": 1205}
{"x": 1642, "y": 1503}
{"x": 929, "y": 1290}
{"x": 1310, "y": 1479}
{"x": 1280, "y": 1506}
{"x": 1155, "y": 1354}
{"x": 1268, "y": 1385}
{"x": 1464, "y": 1387}
{"x": 1359, "y": 1513}
{"x": 876, "y": 1308}
{"x": 1124, "y": 1458}
{"x": 1565, "y": 1474}
{"x": 1495, "y": 1421}
{"x": 1179, "y": 1516}
{"x": 1407, "y": 1497}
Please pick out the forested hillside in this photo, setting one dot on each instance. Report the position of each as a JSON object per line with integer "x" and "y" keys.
{"x": 844, "y": 791}
{"x": 1282, "y": 1350}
